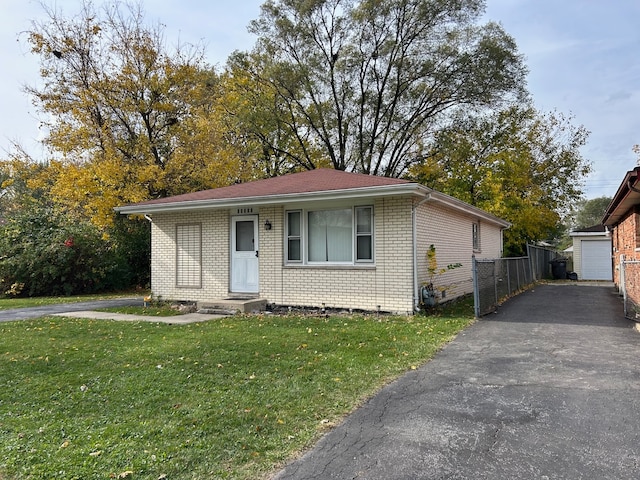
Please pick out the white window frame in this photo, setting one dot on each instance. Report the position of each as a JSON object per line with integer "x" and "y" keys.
{"x": 475, "y": 236}
{"x": 357, "y": 234}
{"x": 289, "y": 237}
{"x": 304, "y": 237}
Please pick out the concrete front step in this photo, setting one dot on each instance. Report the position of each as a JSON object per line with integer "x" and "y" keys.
{"x": 229, "y": 306}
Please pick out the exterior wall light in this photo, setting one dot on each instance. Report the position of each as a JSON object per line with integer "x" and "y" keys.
{"x": 267, "y": 225}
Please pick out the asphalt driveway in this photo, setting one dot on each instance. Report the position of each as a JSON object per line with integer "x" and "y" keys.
{"x": 547, "y": 388}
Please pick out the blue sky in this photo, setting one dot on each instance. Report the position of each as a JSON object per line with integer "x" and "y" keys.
{"x": 582, "y": 57}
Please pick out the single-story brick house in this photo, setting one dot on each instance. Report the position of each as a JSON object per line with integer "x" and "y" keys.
{"x": 622, "y": 218}
{"x": 592, "y": 253}
{"x": 317, "y": 237}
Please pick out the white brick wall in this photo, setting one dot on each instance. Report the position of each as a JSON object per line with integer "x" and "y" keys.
{"x": 450, "y": 231}
{"x": 388, "y": 283}
{"x": 215, "y": 255}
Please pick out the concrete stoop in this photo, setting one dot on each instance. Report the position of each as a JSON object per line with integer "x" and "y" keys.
{"x": 230, "y": 306}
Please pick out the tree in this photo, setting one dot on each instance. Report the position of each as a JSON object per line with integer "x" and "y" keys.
{"x": 255, "y": 115}
{"x": 18, "y": 186}
{"x": 367, "y": 82}
{"x": 519, "y": 164}
{"x": 590, "y": 212}
{"x": 125, "y": 114}
{"x": 49, "y": 250}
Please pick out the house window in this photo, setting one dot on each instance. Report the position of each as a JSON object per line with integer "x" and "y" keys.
{"x": 364, "y": 234}
{"x": 336, "y": 236}
{"x": 475, "y": 229}
{"x": 189, "y": 256}
{"x": 294, "y": 228}
{"x": 330, "y": 236}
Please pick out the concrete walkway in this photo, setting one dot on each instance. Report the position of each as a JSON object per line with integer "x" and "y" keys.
{"x": 125, "y": 317}
{"x": 547, "y": 388}
{"x": 87, "y": 310}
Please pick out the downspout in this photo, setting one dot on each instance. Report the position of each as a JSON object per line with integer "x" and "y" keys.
{"x": 416, "y": 288}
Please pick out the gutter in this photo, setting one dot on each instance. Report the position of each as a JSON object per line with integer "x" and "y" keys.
{"x": 287, "y": 198}
{"x": 620, "y": 202}
{"x": 414, "y": 189}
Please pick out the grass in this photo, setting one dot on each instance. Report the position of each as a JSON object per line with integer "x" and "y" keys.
{"x": 232, "y": 398}
{"x": 8, "y": 303}
{"x": 154, "y": 310}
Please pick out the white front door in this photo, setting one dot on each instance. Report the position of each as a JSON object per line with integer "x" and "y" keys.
{"x": 244, "y": 254}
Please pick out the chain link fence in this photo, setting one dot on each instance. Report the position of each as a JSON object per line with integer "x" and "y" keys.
{"x": 630, "y": 286}
{"x": 499, "y": 278}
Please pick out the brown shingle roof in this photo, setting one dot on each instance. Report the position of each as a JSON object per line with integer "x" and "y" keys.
{"x": 319, "y": 180}
{"x": 319, "y": 184}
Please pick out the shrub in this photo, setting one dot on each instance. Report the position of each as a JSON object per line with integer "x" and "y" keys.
{"x": 43, "y": 252}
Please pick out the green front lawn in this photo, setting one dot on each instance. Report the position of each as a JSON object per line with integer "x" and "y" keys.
{"x": 153, "y": 310}
{"x": 231, "y": 398}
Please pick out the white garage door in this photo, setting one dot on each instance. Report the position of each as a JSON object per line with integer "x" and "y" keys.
{"x": 596, "y": 260}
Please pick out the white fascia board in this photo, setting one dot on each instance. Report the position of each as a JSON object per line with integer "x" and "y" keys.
{"x": 606, "y": 234}
{"x": 290, "y": 198}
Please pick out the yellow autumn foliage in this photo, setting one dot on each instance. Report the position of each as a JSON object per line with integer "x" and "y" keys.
{"x": 128, "y": 119}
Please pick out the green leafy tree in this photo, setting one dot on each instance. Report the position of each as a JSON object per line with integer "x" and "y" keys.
{"x": 17, "y": 189}
{"x": 519, "y": 164}
{"x": 590, "y": 212}
{"x": 257, "y": 118}
{"x": 367, "y": 82}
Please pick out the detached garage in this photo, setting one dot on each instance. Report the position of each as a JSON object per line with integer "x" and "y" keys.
{"x": 592, "y": 253}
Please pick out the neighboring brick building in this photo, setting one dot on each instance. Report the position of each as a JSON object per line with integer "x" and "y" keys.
{"x": 623, "y": 220}
{"x": 324, "y": 236}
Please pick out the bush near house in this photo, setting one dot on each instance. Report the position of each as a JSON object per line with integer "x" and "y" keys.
{"x": 43, "y": 252}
